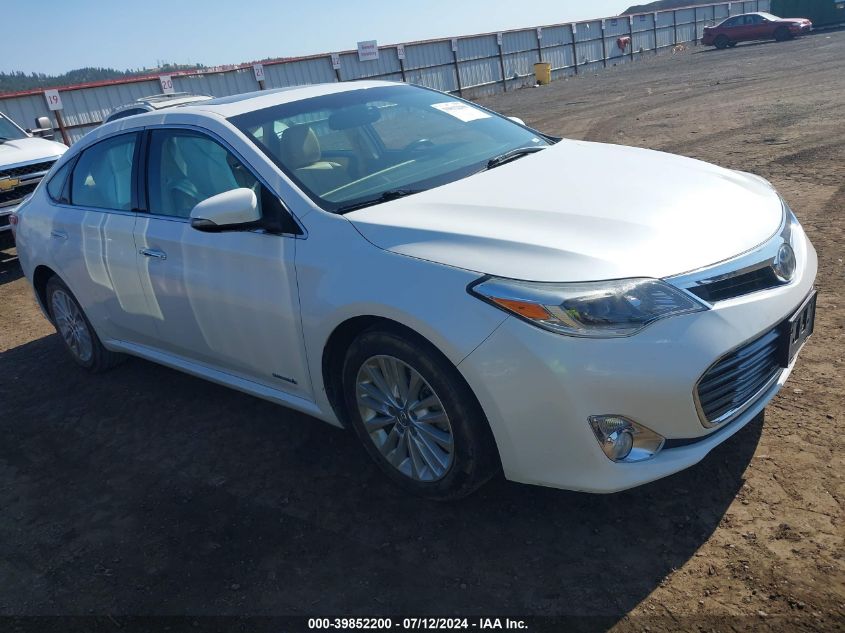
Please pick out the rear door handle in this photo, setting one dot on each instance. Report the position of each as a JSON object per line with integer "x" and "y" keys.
{"x": 59, "y": 235}
{"x": 152, "y": 252}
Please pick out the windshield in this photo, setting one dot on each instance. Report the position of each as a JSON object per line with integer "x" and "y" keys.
{"x": 371, "y": 145}
{"x": 9, "y": 130}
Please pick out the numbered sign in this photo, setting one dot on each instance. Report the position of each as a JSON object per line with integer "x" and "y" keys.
{"x": 258, "y": 69}
{"x": 400, "y": 51}
{"x": 455, "y": 44}
{"x": 539, "y": 32}
{"x": 54, "y": 100}
{"x": 166, "y": 82}
{"x": 499, "y": 39}
{"x": 336, "y": 61}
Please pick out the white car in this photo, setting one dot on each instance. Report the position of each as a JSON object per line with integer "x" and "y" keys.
{"x": 464, "y": 292}
{"x": 24, "y": 160}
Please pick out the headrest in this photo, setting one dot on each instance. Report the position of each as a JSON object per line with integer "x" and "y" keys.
{"x": 299, "y": 147}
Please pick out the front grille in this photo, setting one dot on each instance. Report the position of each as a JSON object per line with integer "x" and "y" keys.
{"x": 4, "y": 221}
{"x": 736, "y": 379}
{"x": 13, "y": 196}
{"x": 737, "y": 286}
{"x": 35, "y": 168}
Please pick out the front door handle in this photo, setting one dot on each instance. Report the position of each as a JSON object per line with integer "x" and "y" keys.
{"x": 59, "y": 235}
{"x": 152, "y": 252}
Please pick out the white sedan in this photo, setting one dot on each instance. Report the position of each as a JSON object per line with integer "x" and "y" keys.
{"x": 464, "y": 292}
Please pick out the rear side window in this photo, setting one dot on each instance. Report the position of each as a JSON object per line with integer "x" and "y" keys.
{"x": 102, "y": 178}
{"x": 57, "y": 186}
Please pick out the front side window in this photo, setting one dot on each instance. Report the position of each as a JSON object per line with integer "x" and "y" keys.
{"x": 736, "y": 21}
{"x": 185, "y": 168}
{"x": 102, "y": 177}
{"x": 350, "y": 148}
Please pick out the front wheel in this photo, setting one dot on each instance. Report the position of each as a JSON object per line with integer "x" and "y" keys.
{"x": 722, "y": 42}
{"x": 416, "y": 416}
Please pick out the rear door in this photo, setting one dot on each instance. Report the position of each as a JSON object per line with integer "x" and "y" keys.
{"x": 225, "y": 300}
{"x": 92, "y": 236}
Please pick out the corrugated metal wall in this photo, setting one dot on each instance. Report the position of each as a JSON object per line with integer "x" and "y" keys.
{"x": 472, "y": 66}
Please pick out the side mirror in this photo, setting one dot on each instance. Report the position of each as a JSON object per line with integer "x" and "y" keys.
{"x": 43, "y": 128}
{"x": 227, "y": 211}
{"x": 517, "y": 120}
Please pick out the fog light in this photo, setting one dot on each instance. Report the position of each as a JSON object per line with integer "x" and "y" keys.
{"x": 623, "y": 440}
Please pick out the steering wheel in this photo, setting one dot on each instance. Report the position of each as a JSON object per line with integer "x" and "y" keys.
{"x": 419, "y": 144}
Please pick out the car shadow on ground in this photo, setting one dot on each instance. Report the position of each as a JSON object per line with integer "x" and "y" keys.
{"x": 10, "y": 268}
{"x": 147, "y": 491}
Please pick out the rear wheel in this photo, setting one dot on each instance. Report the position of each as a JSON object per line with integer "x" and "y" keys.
{"x": 79, "y": 338}
{"x": 783, "y": 34}
{"x": 722, "y": 42}
{"x": 416, "y": 416}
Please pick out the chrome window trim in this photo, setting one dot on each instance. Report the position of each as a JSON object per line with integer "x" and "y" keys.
{"x": 761, "y": 256}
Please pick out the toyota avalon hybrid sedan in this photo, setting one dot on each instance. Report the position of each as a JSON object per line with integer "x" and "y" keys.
{"x": 465, "y": 293}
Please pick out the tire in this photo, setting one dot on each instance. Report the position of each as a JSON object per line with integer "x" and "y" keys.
{"x": 732, "y": 44}
{"x": 443, "y": 450}
{"x": 75, "y": 330}
{"x": 722, "y": 42}
{"x": 783, "y": 34}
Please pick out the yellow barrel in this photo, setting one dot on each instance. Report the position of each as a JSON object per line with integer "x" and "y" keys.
{"x": 543, "y": 73}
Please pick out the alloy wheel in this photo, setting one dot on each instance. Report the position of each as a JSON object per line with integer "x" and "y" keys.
{"x": 405, "y": 418}
{"x": 72, "y": 325}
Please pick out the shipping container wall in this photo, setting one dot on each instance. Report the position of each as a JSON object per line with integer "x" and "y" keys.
{"x": 472, "y": 66}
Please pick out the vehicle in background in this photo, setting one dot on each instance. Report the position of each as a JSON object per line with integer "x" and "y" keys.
{"x": 402, "y": 262}
{"x": 750, "y": 27}
{"x": 153, "y": 103}
{"x": 25, "y": 158}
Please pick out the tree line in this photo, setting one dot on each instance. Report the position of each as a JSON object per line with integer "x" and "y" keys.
{"x": 16, "y": 81}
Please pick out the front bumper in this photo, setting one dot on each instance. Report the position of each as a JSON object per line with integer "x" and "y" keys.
{"x": 538, "y": 389}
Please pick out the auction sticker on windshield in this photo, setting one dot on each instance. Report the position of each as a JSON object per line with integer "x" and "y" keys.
{"x": 461, "y": 111}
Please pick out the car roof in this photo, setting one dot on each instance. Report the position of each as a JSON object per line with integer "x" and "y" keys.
{"x": 250, "y": 101}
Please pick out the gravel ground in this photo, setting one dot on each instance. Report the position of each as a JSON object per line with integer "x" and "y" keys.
{"x": 146, "y": 491}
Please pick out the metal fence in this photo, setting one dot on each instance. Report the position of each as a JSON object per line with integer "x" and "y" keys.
{"x": 470, "y": 66}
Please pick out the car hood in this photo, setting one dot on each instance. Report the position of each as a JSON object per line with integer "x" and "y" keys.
{"x": 581, "y": 211}
{"x": 27, "y": 150}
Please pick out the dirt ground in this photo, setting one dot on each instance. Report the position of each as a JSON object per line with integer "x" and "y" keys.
{"x": 145, "y": 491}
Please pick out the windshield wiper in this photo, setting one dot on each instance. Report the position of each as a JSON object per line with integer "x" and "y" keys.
{"x": 387, "y": 196}
{"x": 513, "y": 154}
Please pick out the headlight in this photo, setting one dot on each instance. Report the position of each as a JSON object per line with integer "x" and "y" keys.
{"x": 599, "y": 309}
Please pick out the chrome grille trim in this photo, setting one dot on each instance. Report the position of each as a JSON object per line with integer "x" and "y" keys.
{"x": 741, "y": 275}
{"x": 736, "y": 381}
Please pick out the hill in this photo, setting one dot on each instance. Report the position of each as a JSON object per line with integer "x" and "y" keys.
{"x": 664, "y": 5}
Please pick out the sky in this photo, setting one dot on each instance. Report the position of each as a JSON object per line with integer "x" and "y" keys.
{"x": 120, "y": 34}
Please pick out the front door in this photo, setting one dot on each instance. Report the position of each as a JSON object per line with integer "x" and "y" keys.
{"x": 226, "y": 300}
